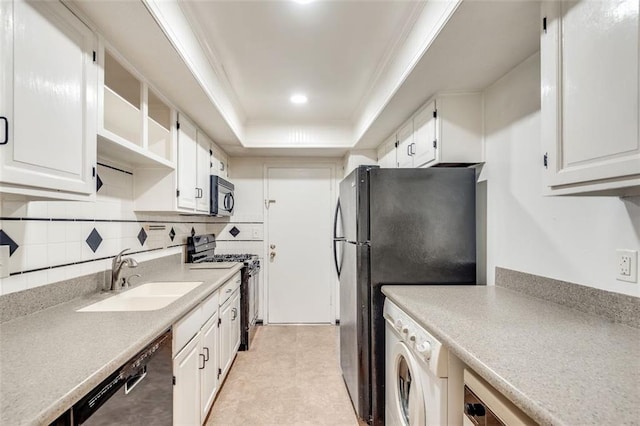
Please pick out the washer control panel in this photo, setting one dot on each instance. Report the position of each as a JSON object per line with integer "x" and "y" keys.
{"x": 424, "y": 346}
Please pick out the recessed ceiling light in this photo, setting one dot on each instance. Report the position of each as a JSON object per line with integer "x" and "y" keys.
{"x": 298, "y": 99}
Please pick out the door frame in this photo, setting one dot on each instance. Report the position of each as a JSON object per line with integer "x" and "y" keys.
{"x": 333, "y": 285}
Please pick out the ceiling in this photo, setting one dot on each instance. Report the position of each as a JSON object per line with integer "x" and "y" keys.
{"x": 364, "y": 65}
{"x": 331, "y": 51}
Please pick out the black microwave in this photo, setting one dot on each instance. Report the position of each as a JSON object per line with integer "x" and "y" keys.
{"x": 222, "y": 201}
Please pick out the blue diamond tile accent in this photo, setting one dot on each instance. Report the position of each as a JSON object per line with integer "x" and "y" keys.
{"x": 193, "y": 231}
{"x": 98, "y": 183}
{"x": 5, "y": 240}
{"x": 94, "y": 240}
{"x": 142, "y": 236}
{"x": 172, "y": 234}
{"x": 234, "y": 231}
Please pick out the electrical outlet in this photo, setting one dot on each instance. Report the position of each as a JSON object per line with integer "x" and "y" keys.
{"x": 4, "y": 261}
{"x": 627, "y": 265}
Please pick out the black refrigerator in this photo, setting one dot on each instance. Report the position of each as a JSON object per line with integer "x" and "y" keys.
{"x": 395, "y": 226}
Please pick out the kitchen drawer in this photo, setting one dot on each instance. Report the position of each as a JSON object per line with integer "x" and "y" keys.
{"x": 191, "y": 323}
{"x": 229, "y": 287}
{"x": 210, "y": 306}
{"x": 186, "y": 328}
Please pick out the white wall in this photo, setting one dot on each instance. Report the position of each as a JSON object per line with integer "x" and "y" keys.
{"x": 247, "y": 174}
{"x": 567, "y": 238}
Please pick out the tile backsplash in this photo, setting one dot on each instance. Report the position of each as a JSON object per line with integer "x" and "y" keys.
{"x": 52, "y": 241}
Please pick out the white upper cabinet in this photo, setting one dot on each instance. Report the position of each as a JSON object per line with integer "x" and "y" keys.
{"x": 185, "y": 189}
{"x": 187, "y": 164}
{"x": 459, "y": 129}
{"x": 406, "y": 148}
{"x": 448, "y": 129}
{"x": 48, "y": 86}
{"x": 203, "y": 170}
{"x": 194, "y": 159}
{"x": 219, "y": 163}
{"x": 424, "y": 136}
{"x": 387, "y": 153}
{"x": 135, "y": 123}
{"x": 590, "y": 81}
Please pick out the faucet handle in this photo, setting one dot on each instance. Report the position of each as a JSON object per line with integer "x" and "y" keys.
{"x": 117, "y": 257}
{"x": 127, "y": 280}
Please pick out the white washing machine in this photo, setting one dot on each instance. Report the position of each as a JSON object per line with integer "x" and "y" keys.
{"x": 416, "y": 373}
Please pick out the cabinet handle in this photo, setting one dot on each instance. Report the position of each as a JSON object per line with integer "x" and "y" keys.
{"x": 6, "y": 130}
{"x": 206, "y": 356}
{"x": 413, "y": 148}
{"x": 203, "y": 362}
{"x": 234, "y": 311}
{"x": 409, "y": 150}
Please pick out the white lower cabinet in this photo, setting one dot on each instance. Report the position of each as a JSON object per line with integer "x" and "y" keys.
{"x": 205, "y": 342}
{"x": 195, "y": 364}
{"x": 229, "y": 324}
{"x": 235, "y": 322}
{"x": 210, "y": 372}
{"x": 186, "y": 390}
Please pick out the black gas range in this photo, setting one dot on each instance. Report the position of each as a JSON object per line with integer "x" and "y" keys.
{"x": 200, "y": 249}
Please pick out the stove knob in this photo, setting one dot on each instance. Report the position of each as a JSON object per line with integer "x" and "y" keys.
{"x": 398, "y": 324}
{"x": 424, "y": 349}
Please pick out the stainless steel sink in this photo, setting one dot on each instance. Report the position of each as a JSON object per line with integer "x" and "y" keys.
{"x": 147, "y": 297}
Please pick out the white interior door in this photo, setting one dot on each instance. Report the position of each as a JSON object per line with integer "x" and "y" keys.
{"x": 300, "y": 270}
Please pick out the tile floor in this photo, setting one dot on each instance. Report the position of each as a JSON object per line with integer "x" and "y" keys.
{"x": 291, "y": 376}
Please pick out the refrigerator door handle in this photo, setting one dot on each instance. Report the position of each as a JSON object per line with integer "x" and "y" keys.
{"x": 336, "y": 239}
{"x": 335, "y": 221}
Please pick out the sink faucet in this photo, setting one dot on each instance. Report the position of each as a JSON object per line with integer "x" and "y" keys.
{"x": 116, "y": 267}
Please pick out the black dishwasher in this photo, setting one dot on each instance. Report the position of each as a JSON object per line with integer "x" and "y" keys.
{"x": 139, "y": 392}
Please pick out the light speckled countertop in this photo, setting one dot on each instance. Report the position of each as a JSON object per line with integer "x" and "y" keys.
{"x": 50, "y": 359}
{"x": 558, "y": 365}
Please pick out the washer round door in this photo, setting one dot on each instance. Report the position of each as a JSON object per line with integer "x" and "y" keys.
{"x": 408, "y": 394}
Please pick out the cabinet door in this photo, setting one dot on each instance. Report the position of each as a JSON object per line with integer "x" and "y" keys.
{"x": 405, "y": 145}
{"x": 203, "y": 168}
{"x": 187, "y": 168}
{"x": 48, "y": 82}
{"x": 186, "y": 391}
{"x": 387, "y": 154}
{"x": 235, "y": 323}
{"x": 225, "y": 337}
{"x": 424, "y": 136}
{"x": 209, "y": 375}
{"x": 589, "y": 71}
